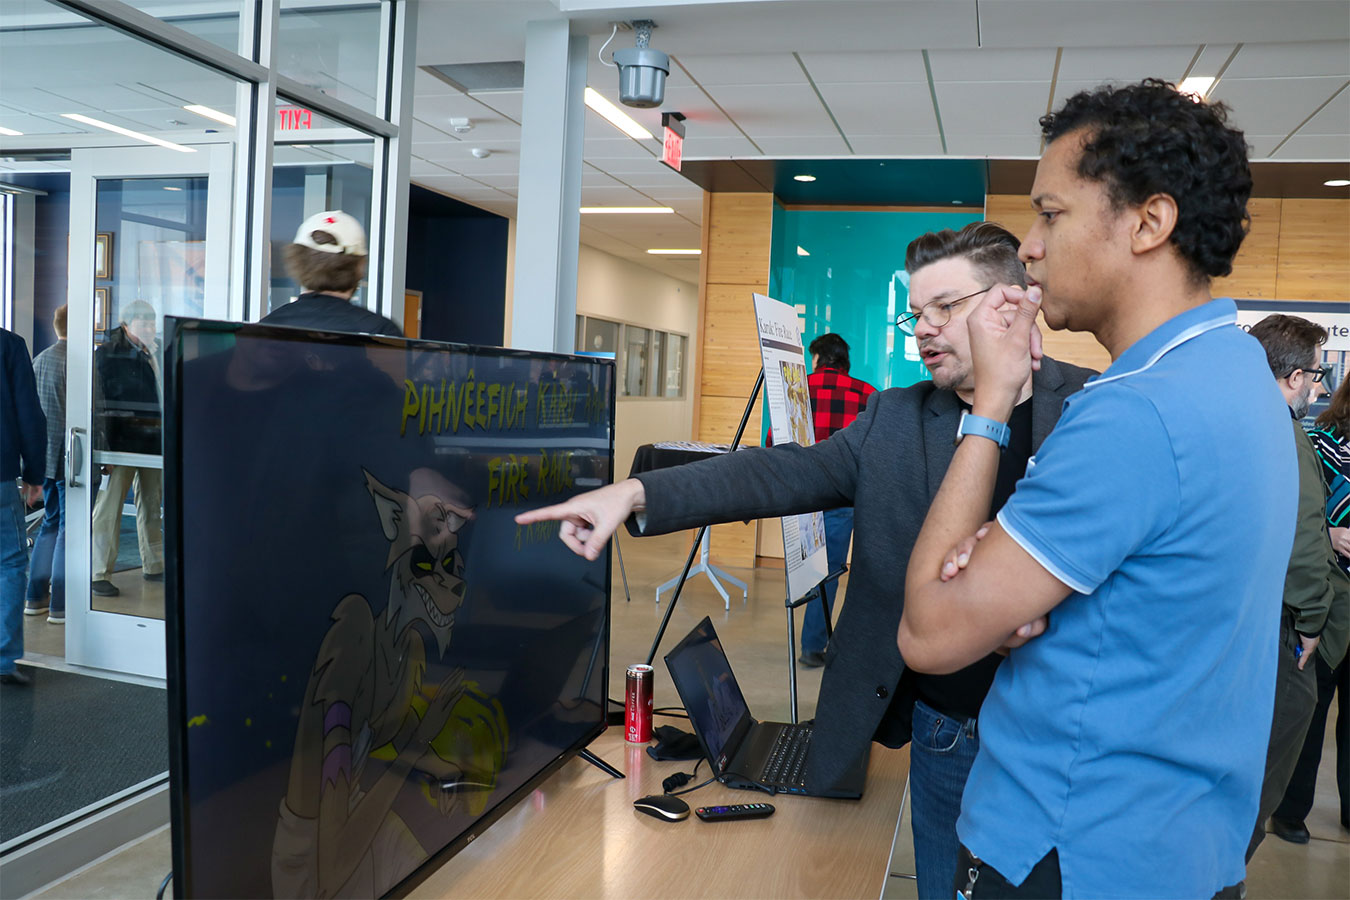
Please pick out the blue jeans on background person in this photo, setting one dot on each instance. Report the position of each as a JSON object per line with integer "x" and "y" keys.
{"x": 13, "y": 575}
{"x": 48, "y": 569}
{"x": 941, "y": 753}
{"x": 838, "y": 532}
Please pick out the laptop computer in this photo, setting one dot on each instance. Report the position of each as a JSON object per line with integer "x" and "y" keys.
{"x": 745, "y": 753}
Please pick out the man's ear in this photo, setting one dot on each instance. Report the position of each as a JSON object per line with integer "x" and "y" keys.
{"x": 1155, "y": 220}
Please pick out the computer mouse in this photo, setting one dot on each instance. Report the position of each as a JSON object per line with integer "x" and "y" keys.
{"x": 662, "y": 806}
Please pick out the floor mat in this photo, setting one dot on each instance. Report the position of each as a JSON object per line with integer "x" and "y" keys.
{"x": 69, "y": 740}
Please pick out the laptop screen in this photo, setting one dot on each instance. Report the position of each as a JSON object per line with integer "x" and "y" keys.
{"x": 711, "y": 696}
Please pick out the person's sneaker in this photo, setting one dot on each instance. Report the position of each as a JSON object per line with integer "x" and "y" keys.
{"x": 35, "y": 607}
{"x": 18, "y": 678}
{"x": 104, "y": 588}
{"x": 1291, "y": 831}
{"x": 812, "y": 659}
{"x": 158, "y": 576}
{"x": 57, "y": 617}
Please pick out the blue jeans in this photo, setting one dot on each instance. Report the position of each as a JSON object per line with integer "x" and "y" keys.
{"x": 838, "y": 531}
{"x": 940, "y": 756}
{"x": 48, "y": 569}
{"x": 13, "y": 575}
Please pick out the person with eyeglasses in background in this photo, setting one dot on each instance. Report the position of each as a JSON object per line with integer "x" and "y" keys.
{"x": 886, "y": 465}
{"x": 1314, "y": 584}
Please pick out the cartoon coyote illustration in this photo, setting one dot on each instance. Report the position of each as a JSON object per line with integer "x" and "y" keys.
{"x": 368, "y": 725}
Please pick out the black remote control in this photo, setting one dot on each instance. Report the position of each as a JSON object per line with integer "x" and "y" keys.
{"x": 739, "y": 811}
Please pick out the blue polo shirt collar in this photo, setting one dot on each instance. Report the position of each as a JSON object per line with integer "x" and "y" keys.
{"x": 1146, "y": 351}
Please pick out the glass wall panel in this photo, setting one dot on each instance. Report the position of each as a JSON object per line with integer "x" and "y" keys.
{"x": 655, "y": 361}
{"x": 636, "y": 351}
{"x": 318, "y": 165}
{"x": 674, "y": 368}
{"x": 601, "y": 336}
{"x": 332, "y": 46}
{"x": 216, "y": 21}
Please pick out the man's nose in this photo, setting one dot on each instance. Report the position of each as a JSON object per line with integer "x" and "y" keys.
{"x": 1031, "y": 249}
{"x": 922, "y": 329}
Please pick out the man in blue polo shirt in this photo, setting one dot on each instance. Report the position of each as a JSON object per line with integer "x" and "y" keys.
{"x": 1123, "y": 742}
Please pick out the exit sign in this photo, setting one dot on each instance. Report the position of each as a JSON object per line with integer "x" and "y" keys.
{"x": 672, "y": 148}
{"x": 293, "y": 118}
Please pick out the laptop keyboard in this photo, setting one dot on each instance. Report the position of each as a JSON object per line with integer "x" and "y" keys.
{"x": 786, "y": 765}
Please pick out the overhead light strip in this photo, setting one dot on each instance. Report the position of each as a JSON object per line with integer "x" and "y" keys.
{"x": 210, "y": 113}
{"x": 127, "y": 132}
{"x": 616, "y": 117}
{"x": 667, "y": 251}
{"x": 11, "y": 132}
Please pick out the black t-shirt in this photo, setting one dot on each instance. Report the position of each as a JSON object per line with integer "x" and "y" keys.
{"x": 328, "y": 313}
{"x": 961, "y": 693}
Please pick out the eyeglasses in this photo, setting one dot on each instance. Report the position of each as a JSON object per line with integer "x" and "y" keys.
{"x": 937, "y": 314}
{"x": 1316, "y": 375}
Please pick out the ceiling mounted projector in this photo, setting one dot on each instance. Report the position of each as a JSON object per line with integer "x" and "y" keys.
{"x": 642, "y": 70}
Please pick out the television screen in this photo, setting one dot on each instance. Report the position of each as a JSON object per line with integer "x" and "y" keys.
{"x": 369, "y": 660}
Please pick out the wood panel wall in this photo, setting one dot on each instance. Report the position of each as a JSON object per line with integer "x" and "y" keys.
{"x": 737, "y": 236}
{"x": 1297, "y": 249}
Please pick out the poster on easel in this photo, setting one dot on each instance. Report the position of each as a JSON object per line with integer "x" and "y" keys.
{"x": 790, "y": 421}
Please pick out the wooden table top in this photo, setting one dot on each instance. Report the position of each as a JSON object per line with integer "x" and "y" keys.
{"x": 578, "y": 835}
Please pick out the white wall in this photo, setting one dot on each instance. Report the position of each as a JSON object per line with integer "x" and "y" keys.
{"x": 616, "y": 289}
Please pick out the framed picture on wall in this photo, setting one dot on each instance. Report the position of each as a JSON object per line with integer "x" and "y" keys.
{"x": 102, "y": 303}
{"x": 103, "y": 249}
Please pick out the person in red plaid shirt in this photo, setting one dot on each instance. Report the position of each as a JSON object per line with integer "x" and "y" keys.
{"x": 836, "y": 400}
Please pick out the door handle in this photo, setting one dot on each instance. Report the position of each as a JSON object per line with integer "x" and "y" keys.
{"x": 74, "y": 457}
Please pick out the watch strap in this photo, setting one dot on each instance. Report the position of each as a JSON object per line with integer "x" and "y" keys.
{"x": 996, "y": 431}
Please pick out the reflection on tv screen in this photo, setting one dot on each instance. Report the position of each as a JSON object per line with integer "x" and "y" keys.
{"x": 370, "y": 657}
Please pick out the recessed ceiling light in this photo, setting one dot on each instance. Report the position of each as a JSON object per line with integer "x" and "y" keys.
{"x": 803, "y": 178}
{"x": 1197, "y": 86}
{"x": 1338, "y": 182}
{"x": 127, "y": 132}
{"x": 210, "y": 113}
{"x": 801, "y": 251}
{"x": 170, "y": 188}
{"x": 958, "y": 202}
{"x": 633, "y": 210}
{"x": 667, "y": 251}
{"x": 615, "y": 116}
{"x": 11, "y": 132}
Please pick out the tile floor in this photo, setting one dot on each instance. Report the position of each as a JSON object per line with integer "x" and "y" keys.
{"x": 755, "y": 636}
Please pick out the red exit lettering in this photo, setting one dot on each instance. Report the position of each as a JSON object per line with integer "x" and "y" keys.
{"x": 295, "y": 117}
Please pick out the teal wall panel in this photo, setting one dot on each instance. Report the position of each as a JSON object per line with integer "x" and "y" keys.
{"x": 853, "y": 281}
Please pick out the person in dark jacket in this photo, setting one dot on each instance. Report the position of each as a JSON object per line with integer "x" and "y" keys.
{"x": 127, "y": 420}
{"x": 23, "y": 446}
{"x": 47, "y": 577}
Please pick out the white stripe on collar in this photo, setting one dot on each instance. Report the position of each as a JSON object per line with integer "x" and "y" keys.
{"x": 1194, "y": 331}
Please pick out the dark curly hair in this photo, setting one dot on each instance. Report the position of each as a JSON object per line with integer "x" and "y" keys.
{"x": 988, "y": 246}
{"x": 1149, "y": 138}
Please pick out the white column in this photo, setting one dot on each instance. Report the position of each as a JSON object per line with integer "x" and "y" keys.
{"x": 548, "y": 210}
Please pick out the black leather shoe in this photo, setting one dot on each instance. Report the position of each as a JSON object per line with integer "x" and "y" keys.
{"x": 104, "y": 588}
{"x": 157, "y": 576}
{"x": 1293, "y": 832}
{"x": 16, "y": 678}
{"x": 812, "y": 659}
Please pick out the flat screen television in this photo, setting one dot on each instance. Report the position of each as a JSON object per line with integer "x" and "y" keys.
{"x": 369, "y": 661}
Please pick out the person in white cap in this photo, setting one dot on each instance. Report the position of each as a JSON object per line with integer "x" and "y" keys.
{"x": 328, "y": 260}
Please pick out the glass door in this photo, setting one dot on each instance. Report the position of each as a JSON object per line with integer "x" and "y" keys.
{"x": 149, "y": 237}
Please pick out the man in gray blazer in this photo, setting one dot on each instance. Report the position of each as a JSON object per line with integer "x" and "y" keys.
{"x": 887, "y": 465}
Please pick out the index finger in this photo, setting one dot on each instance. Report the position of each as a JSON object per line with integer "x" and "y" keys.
{"x": 555, "y": 513}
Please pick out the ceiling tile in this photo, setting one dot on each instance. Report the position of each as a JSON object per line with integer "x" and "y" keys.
{"x": 1122, "y": 65}
{"x": 612, "y": 196}
{"x": 1327, "y": 147}
{"x": 864, "y": 67}
{"x": 824, "y": 145}
{"x": 988, "y": 108}
{"x": 1212, "y": 59}
{"x": 702, "y": 117}
{"x": 986, "y": 64}
{"x": 778, "y": 110}
{"x": 504, "y": 103}
{"x": 719, "y": 147}
{"x": 437, "y": 112}
{"x": 881, "y": 108}
{"x": 426, "y": 133}
{"x": 619, "y": 148}
{"x": 999, "y": 145}
{"x": 1261, "y": 144}
{"x": 418, "y": 166}
{"x": 1274, "y": 106}
{"x": 426, "y": 85}
{"x": 744, "y": 68}
{"x": 1333, "y": 119}
{"x": 1290, "y": 60}
{"x": 896, "y": 145}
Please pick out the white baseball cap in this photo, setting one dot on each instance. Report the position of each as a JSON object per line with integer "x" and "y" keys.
{"x": 349, "y": 235}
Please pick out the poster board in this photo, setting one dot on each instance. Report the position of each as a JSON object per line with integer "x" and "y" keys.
{"x": 1334, "y": 354}
{"x": 790, "y": 421}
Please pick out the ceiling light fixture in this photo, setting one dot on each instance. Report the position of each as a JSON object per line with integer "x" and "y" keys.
{"x": 127, "y": 132}
{"x": 1197, "y": 86}
{"x": 1337, "y": 182}
{"x": 210, "y": 113}
{"x": 668, "y": 251}
{"x": 803, "y": 178}
{"x": 634, "y": 210}
{"x": 11, "y": 132}
{"x": 615, "y": 116}
{"x": 801, "y": 251}
{"x": 170, "y": 188}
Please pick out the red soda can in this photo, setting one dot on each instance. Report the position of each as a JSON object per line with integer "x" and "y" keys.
{"x": 637, "y": 704}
